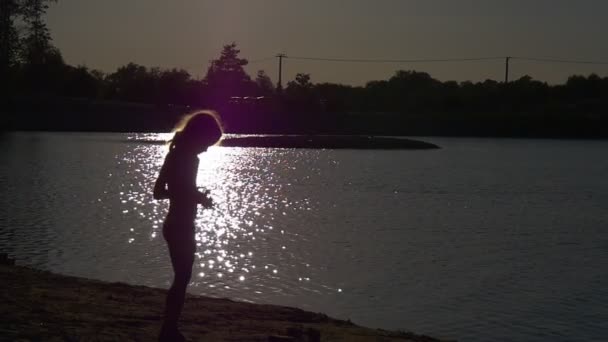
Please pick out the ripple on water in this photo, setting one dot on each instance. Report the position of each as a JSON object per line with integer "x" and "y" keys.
{"x": 482, "y": 240}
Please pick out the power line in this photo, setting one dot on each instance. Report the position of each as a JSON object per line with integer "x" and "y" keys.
{"x": 436, "y": 60}
{"x": 261, "y": 60}
{"x": 565, "y": 61}
{"x": 354, "y": 60}
{"x": 506, "y": 59}
{"x": 281, "y": 56}
{"x": 430, "y": 60}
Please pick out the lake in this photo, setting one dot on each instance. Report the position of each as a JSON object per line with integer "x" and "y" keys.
{"x": 483, "y": 239}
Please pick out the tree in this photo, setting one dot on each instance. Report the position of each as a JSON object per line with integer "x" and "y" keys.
{"x": 9, "y": 40}
{"x": 226, "y": 76}
{"x": 36, "y": 45}
{"x": 82, "y": 82}
{"x": 300, "y": 88}
{"x": 264, "y": 84}
{"x": 302, "y": 81}
{"x": 132, "y": 82}
{"x": 41, "y": 65}
{"x": 300, "y": 93}
{"x": 338, "y": 97}
{"x": 412, "y": 91}
{"x": 173, "y": 86}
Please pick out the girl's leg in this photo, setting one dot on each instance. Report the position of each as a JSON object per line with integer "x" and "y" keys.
{"x": 182, "y": 258}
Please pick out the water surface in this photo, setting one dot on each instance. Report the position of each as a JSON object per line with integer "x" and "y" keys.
{"x": 485, "y": 239}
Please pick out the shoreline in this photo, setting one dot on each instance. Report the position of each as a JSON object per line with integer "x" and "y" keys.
{"x": 39, "y": 305}
{"x": 239, "y": 135}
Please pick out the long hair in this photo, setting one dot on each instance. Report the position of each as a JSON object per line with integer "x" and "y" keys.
{"x": 204, "y": 124}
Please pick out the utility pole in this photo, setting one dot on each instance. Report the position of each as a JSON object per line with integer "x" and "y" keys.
{"x": 280, "y": 84}
{"x": 507, "y": 69}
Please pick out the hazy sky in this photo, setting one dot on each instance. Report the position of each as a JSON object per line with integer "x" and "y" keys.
{"x": 188, "y": 33}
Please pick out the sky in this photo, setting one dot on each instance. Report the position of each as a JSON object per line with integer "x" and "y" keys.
{"x": 189, "y": 33}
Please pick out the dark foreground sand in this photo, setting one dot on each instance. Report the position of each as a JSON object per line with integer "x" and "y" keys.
{"x": 41, "y": 306}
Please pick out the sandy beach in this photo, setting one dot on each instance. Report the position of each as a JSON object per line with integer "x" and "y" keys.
{"x": 42, "y": 306}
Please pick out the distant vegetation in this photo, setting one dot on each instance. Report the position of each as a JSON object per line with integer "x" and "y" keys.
{"x": 40, "y": 91}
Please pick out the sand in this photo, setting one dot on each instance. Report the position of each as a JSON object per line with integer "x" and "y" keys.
{"x": 42, "y": 306}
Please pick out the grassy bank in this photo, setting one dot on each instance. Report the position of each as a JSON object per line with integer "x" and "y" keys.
{"x": 41, "y": 306}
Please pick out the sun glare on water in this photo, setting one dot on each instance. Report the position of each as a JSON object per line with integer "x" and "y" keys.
{"x": 238, "y": 245}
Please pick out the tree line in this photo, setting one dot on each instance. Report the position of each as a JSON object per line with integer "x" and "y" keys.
{"x": 410, "y": 102}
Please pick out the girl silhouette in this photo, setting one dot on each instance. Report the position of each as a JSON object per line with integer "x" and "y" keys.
{"x": 177, "y": 182}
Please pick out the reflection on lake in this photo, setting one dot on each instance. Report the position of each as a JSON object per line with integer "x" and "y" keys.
{"x": 244, "y": 241}
{"x": 485, "y": 239}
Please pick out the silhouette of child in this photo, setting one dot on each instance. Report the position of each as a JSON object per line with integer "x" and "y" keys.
{"x": 177, "y": 182}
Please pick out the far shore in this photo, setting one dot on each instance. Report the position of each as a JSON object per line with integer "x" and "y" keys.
{"x": 358, "y": 142}
{"x": 52, "y": 113}
{"x": 42, "y": 306}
